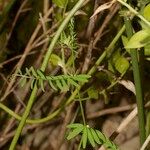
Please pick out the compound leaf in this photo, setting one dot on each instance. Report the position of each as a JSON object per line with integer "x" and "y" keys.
{"x": 90, "y": 137}
{"x": 84, "y": 137}
{"x": 74, "y": 133}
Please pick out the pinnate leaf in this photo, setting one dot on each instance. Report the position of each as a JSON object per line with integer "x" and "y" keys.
{"x": 74, "y": 133}
{"x": 90, "y": 137}
{"x": 75, "y": 125}
{"x": 84, "y": 137}
{"x": 95, "y": 136}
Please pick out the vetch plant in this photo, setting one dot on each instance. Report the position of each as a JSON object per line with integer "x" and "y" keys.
{"x": 114, "y": 61}
{"x": 90, "y": 135}
{"x": 61, "y": 82}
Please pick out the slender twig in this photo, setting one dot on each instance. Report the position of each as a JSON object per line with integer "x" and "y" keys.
{"x": 16, "y": 18}
{"x": 111, "y": 111}
{"x": 82, "y": 110}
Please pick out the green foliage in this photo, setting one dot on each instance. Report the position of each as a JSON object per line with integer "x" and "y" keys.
{"x": 90, "y": 135}
{"x": 68, "y": 41}
{"x": 55, "y": 59}
{"x": 146, "y": 12}
{"x": 139, "y": 39}
{"x": 125, "y": 41}
{"x": 147, "y": 50}
{"x": 60, "y": 3}
{"x": 120, "y": 63}
{"x": 92, "y": 93}
{"x": 60, "y": 82}
{"x": 68, "y": 38}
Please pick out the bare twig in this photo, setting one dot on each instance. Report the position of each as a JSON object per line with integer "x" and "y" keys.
{"x": 111, "y": 111}
{"x": 123, "y": 125}
{"x": 16, "y": 18}
{"x": 112, "y": 12}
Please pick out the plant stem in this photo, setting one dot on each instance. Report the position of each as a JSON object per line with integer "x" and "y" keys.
{"x": 23, "y": 119}
{"x": 107, "y": 51}
{"x": 135, "y": 12}
{"x": 138, "y": 86}
{"x": 43, "y": 67}
{"x": 79, "y": 147}
{"x": 82, "y": 110}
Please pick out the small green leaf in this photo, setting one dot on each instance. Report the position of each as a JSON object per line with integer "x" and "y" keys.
{"x": 64, "y": 85}
{"x": 60, "y": 3}
{"x": 52, "y": 85}
{"x": 75, "y": 125}
{"x": 110, "y": 145}
{"x": 32, "y": 83}
{"x": 59, "y": 85}
{"x": 34, "y": 72}
{"x": 147, "y": 50}
{"x": 41, "y": 74}
{"x": 90, "y": 138}
{"x": 84, "y": 137}
{"x": 100, "y": 135}
{"x": 54, "y": 59}
{"x": 147, "y": 12}
{"x": 116, "y": 56}
{"x": 74, "y": 133}
{"x": 41, "y": 84}
{"x": 23, "y": 81}
{"x": 125, "y": 41}
{"x": 110, "y": 66}
{"x": 139, "y": 39}
{"x": 92, "y": 93}
{"x": 95, "y": 136}
{"x": 122, "y": 65}
{"x": 28, "y": 72}
{"x": 72, "y": 82}
{"x": 20, "y": 72}
{"x": 81, "y": 77}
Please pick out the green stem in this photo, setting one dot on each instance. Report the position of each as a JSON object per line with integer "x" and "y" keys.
{"x": 107, "y": 51}
{"x": 23, "y": 119}
{"x": 135, "y": 12}
{"x": 138, "y": 86}
{"x": 82, "y": 110}
{"x": 79, "y": 146}
{"x": 73, "y": 95}
{"x": 43, "y": 67}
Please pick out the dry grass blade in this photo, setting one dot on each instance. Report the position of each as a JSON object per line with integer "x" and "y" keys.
{"x": 128, "y": 85}
{"x": 103, "y": 7}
